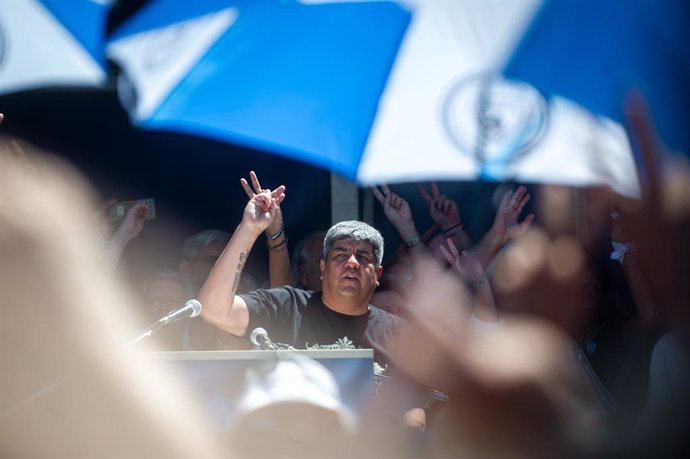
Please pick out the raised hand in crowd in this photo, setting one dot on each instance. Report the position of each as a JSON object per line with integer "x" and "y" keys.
{"x": 277, "y": 241}
{"x": 467, "y": 266}
{"x": 444, "y": 213}
{"x": 472, "y": 272}
{"x": 130, "y": 227}
{"x": 397, "y": 211}
{"x": 506, "y": 226}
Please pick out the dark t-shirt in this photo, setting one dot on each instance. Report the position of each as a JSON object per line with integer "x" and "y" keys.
{"x": 299, "y": 318}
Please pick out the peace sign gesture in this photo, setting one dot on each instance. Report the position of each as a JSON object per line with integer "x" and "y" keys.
{"x": 443, "y": 210}
{"x": 397, "y": 211}
{"x": 466, "y": 265}
{"x": 275, "y": 194}
{"x": 263, "y": 207}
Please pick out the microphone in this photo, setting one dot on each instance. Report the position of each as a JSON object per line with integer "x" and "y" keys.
{"x": 259, "y": 337}
{"x": 192, "y": 308}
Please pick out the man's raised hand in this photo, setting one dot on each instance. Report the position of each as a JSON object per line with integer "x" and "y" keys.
{"x": 264, "y": 204}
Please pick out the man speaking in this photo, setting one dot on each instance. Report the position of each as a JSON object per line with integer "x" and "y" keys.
{"x": 350, "y": 272}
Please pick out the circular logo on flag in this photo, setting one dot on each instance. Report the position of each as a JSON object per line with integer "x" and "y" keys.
{"x": 493, "y": 119}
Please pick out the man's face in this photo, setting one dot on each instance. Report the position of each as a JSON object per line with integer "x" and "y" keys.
{"x": 349, "y": 272}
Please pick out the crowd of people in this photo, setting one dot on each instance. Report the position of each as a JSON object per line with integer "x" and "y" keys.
{"x": 563, "y": 331}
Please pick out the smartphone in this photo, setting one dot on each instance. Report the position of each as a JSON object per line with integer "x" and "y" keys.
{"x": 118, "y": 210}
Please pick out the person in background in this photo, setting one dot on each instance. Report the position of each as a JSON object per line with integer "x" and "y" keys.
{"x": 306, "y": 260}
{"x": 164, "y": 292}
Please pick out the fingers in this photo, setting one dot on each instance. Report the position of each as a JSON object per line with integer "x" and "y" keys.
{"x": 522, "y": 203}
{"x": 434, "y": 189}
{"x": 263, "y": 201}
{"x": 2, "y": 117}
{"x": 513, "y": 203}
{"x": 447, "y": 255}
{"x": 517, "y": 196}
{"x": 255, "y": 182}
{"x": 277, "y": 195}
{"x": 247, "y": 189}
{"x": 278, "y": 191}
{"x": 378, "y": 194}
{"x": 447, "y": 204}
{"x": 524, "y": 226}
{"x": 453, "y": 249}
{"x": 441, "y": 203}
{"x": 139, "y": 210}
{"x": 424, "y": 193}
{"x": 505, "y": 200}
{"x": 280, "y": 198}
{"x": 387, "y": 198}
{"x": 143, "y": 211}
{"x": 396, "y": 201}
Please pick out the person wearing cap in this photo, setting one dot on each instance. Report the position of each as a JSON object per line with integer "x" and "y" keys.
{"x": 292, "y": 408}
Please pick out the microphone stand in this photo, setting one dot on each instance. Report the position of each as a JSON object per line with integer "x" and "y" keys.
{"x": 149, "y": 332}
{"x": 192, "y": 308}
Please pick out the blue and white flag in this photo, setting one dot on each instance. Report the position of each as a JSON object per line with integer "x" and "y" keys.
{"x": 377, "y": 91}
{"x": 301, "y": 79}
{"x": 594, "y": 51}
{"x": 449, "y": 113}
{"x": 51, "y": 43}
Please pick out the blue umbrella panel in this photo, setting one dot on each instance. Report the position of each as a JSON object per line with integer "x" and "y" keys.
{"x": 301, "y": 80}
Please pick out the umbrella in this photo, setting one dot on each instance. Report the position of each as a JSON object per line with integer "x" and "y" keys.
{"x": 290, "y": 77}
{"x": 603, "y": 47}
{"x": 374, "y": 91}
{"x": 51, "y": 43}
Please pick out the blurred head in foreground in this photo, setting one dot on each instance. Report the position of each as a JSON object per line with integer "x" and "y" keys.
{"x": 292, "y": 409}
{"x": 71, "y": 387}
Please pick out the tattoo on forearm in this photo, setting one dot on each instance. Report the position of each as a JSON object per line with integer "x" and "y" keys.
{"x": 238, "y": 273}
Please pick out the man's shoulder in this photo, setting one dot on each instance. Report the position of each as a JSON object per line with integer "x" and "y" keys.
{"x": 282, "y": 290}
{"x": 283, "y": 294}
{"x": 381, "y": 317}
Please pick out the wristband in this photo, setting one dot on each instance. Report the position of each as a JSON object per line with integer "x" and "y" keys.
{"x": 454, "y": 230}
{"x": 277, "y": 246}
{"x": 415, "y": 241}
{"x": 273, "y": 237}
{"x": 453, "y": 227}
